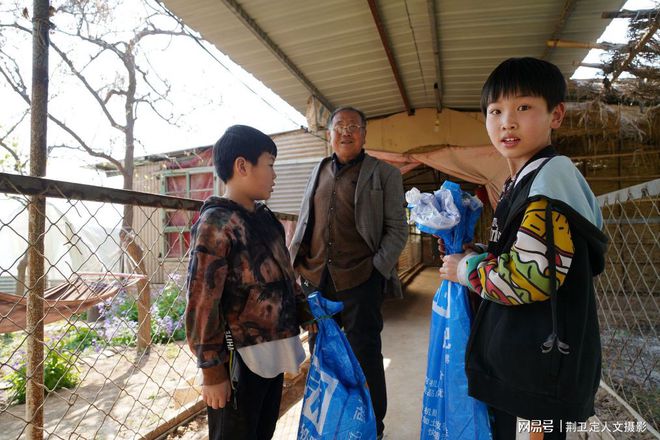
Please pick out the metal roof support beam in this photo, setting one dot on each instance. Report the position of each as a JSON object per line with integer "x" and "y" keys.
{"x": 388, "y": 51}
{"x": 262, "y": 36}
{"x": 567, "y": 10}
{"x": 569, "y": 44}
{"x": 435, "y": 39}
{"x": 642, "y": 13}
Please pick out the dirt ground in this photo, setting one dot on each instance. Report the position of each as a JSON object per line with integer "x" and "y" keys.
{"x": 197, "y": 429}
{"x": 120, "y": 396}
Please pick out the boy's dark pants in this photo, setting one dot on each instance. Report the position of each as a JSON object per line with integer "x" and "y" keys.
{"x": 362, "y": 321}
{"x": 258, "y": 406}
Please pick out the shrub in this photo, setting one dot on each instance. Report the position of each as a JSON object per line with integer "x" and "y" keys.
{"x": 59, "y": 372}
{"x": 120, "y": 317}
{"x": 167, "y": 315}
{"x": 79, "y": 338}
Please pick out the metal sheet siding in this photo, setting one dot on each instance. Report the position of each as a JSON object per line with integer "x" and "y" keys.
{"x": 290, "y": 185}
{"x": 297, "y": 154}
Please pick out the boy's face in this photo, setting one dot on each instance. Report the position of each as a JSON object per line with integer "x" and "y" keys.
{"x": 520, "y": 126}
{"x": 260, "y": 178}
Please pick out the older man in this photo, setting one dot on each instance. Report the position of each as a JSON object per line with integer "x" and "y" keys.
{"x": 351, "y": 230}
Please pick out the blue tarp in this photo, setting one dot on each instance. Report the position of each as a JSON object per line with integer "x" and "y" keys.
{"x": 336, "y": 403}
{"x": 448, "y": 412}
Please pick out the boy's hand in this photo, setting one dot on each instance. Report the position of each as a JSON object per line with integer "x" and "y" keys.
{"x": 311, "y": 327}
{"x": 217, "y": 395}
{"x": 450, "y": 266}
{"x": 467, "y": 247}
{"x": 441, "y": 245}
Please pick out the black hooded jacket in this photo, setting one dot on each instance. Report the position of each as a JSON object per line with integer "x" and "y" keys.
{"x": 528, "y": 360}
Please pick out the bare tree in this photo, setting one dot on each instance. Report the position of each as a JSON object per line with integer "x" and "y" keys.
{"x": 132, "y": 84}
{"x": 107, "y": 63}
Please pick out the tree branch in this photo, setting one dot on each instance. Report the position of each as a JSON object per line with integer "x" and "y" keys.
{"x": 89, "y": 88}
{"x": 112, "y": 93}
{"x": 81, "y": 77}
{"x": 16, "y": 83}
{"x": 18, "y": 166}
{"x": 86, "y": 147}
{"x": 150, "y": 103}
{"x": 20, "y": 90}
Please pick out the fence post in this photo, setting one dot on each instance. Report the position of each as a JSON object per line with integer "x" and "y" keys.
{"x": 34, "y": 411}
{"x": 144, "y": 290}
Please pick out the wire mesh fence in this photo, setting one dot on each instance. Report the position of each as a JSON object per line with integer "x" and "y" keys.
{"x": 114, "y": 357}
{"x": 629, "y": 308}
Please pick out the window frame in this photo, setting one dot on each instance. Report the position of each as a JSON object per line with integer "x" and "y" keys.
{"x": 188, "y": 172}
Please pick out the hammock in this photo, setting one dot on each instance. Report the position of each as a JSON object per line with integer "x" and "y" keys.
{"x": 63, "y": 300}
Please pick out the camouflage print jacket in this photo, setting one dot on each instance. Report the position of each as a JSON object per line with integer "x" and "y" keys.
{"x": 240, "y": 277}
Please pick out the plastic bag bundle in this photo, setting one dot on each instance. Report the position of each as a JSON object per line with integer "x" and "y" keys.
{"x": 432, "y": 212}
{"x": 336, "y": 402}
{"x": 448, "y": 412}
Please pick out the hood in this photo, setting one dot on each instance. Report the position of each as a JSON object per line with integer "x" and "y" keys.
{"x": 561, "y": 182}
{"x": 215, "y": 202}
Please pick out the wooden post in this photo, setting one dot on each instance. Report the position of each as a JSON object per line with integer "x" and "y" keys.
{"x": 34, "y": 412}
{"x": 144, "y": 291}
{"x": 20, "y": 281}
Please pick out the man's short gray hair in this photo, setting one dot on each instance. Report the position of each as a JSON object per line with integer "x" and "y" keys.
{"x": 363, "y": 118}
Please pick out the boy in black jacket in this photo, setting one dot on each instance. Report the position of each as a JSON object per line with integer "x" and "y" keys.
{"x": 534, "y": 350}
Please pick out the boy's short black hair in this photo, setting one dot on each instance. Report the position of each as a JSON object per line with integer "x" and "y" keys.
{"x": 527, "y": 77}
{"x": 240, "y": 141}
{"x": 363, "y": 118}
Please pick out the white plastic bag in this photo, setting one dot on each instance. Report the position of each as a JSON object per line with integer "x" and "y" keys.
{"x": 432, "y": 212}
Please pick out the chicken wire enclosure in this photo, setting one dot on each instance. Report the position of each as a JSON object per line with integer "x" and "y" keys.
{"x": 629, "y": 304}
{"x": 115, "y": 362}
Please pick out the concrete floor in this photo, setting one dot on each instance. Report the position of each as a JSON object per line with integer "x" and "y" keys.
{"x": 405, "y": 347}
{"x": 405, "y": 344}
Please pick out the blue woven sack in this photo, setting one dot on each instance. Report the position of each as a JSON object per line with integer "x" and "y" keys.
{"x": 336, "y": 403}
{"x": 448, "y": 413}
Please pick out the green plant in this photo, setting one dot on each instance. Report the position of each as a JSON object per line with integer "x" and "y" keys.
{"x": 168, "y": 310}
{"x": 127, "y": 308}
{"x": 59, "y": 372}
{"x": 79, "y": 338}
{"x": 170, "y": 302}
{"x": 120, "y": 317}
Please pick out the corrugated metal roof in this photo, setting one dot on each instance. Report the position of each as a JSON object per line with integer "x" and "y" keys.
{"x": 335, "y": 44}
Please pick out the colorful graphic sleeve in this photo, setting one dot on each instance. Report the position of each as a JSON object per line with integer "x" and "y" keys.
{"x": 522, "y": 276}
{"x": 205, "y": 326}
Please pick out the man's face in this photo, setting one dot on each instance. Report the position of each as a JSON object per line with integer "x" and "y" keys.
{"x": 347, "y": 135}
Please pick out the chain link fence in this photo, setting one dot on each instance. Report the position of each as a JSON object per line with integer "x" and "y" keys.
{"x": 629, "y": 309}
{"x": 115, "y": 363}
{"x": 114, "y": 356}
